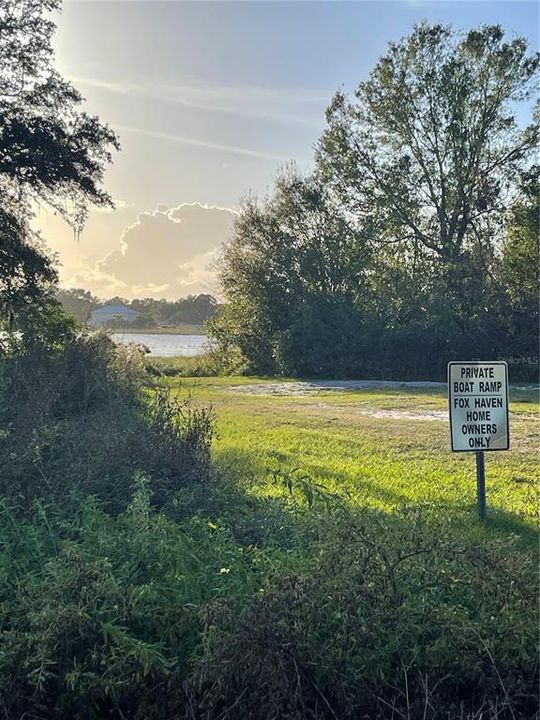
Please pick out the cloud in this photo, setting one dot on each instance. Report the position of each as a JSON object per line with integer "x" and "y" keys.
{"x": 201, "y": 143}
{"x": 119, "y": 204}
{"x": 169, "y": 252}
{"x": 97, "y": 282}
{"x": 295, "y": 106}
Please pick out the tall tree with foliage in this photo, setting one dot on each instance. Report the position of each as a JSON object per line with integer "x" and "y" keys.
{"x": 51, "y": 152}
{"x": 290, "y": 274}
{"x": 427, "y": 155}
{"x": 520, "y": 274}
{"x": 428, "y": 147}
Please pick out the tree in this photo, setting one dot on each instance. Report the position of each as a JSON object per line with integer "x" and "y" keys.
{"x": 78, "y": 302}
{"x": 520, "y": 271}
{"x": 427, "y": 156}
{"x": 24, "y": 270}
{"x": 428, "y": 148}
{"x": 291, "y": 274}
{"x": 51, "y": 152}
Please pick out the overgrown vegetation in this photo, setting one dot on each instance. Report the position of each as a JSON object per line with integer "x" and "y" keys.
{"x": 206, "y": 364}
{"x": 77, "y": 417}
{"x": 99, "y": 615}
{"x": 359, "y": 612}
{"x": 384, "y": 619}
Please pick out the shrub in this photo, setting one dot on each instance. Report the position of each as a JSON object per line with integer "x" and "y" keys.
{"x": 208, "y": 364}
{"x": 391, "y": 617}
{"x": 78, "y": 416}
{"x": 381, "y": 616}
{"x": 100, "y": 615}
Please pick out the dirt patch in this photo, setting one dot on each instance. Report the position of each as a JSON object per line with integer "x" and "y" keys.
{"x": 406, "y": 414}
{"x": 316, "y": 386}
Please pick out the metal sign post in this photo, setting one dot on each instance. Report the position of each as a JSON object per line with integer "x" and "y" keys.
{"x": 478, "y": 405}
{"x": 481, "y": 484}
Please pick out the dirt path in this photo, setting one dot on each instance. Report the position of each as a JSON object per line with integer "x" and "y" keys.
{"x": 311, "y": 388}
{"x": 316, "y": 386}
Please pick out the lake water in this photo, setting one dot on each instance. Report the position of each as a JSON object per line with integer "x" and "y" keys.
{"x": 165, "y": 345}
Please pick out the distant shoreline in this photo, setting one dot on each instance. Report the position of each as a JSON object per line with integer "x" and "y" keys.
{"x": 180, "y": 330}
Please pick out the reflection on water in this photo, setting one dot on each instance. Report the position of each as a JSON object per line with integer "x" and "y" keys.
{"x": 165, "y": 345}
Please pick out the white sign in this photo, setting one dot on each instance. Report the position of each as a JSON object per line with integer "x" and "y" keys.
{"x": 478, "y": 403}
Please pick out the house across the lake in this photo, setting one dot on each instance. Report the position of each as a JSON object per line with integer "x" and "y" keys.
{"x": 118, "y": 313}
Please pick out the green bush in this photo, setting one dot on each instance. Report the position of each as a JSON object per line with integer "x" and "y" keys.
{"x": 391, "y": 617}
{"x": 78, "y": 416}
{"x": 100, "y": 616}
{"x": 376, "y": 616}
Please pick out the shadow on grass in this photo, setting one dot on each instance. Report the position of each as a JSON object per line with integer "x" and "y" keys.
{"x": 293, "y": 517}
{"x": 242, "y": 469}
{"x": 502, "y": 522}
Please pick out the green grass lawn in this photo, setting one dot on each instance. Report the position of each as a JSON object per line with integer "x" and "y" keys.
{"x": 381, "y": 448}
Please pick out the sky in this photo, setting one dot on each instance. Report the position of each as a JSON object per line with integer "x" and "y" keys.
{"x": 210, "y": 100}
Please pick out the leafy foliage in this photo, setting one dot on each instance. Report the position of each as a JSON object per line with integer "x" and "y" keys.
{"x": 25, "y": 271}
{"x": 426, "y": 148}
{"x": 99, "y": 615}
{"x": 290, "y": 274}
{"x": 387, "y": 261}
{"x": 140, "y": 616}
{"x": 386, "y": 619}
{"x": 520, "y": 268}
{"x": 75, "y": 416}
{"x": 50, "y": 151}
